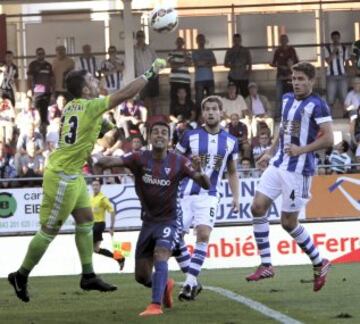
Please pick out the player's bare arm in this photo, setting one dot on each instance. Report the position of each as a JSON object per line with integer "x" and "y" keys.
{"x": 200, "y": 177}
{"x": 233, "y": 178}
{"x": 137, "y": 85}
{"x": 127, "y": 92}
{"x": 324, "y": 141}
{"x": 108, "y": 162}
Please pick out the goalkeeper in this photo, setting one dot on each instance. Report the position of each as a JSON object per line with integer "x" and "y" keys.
{"x": 64, "y": 187}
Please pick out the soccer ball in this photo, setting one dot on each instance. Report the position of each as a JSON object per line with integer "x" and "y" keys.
{"x": 163, "y": 19}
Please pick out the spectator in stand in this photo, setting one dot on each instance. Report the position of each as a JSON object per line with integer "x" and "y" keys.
{"x": 112, "y": 71}
{"x": 87, "y": 61}
{"x": 355, "y": 133}
{"x": 7, "y": 166}
{"x": 31, "y": 135}
{"x": 339, "y": 158}
{"x": 40, "y": 83}
{"x": 284, "y": 57}
{"x": 234, "y": 103}
{"x": 131, "y": 116}
{"x": 263, "y": 144}
{"x": 55, "y": 110}
{"x": 352, "y": 100}
{"x": 182, "y": 107}
{"x": 245, "y": 168}
{"x": 10, "y": 78}
{"x": 181, "y": 126}
{"x": 137, "y": 143}
{"x": 31, "y": 163}
{"x": 28, "y": 116}
{"x": 355, "y": 57}
{"x": 238, "y": 59}
{"x": 62, "y": 65}
{"x": 144, "y": 55}
{"x": 204, "y": 60}
{"x": 240, "y": 131}
{"x": 52, "y": 132}
{"x": 7, "y": 120}
{"x": 259, "y": 108}
{"x": 179, "y": 60}
{"x": 337, "y": 58}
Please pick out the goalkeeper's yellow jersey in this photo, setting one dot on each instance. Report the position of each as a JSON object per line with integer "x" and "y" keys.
{"x": 99, "y": 205}
{"x": 79, "y": 129}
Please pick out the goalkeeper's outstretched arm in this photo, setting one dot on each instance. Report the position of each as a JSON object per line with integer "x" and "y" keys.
{"x": 130, "y": 90}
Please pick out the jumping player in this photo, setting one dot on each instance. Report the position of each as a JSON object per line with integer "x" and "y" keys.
{"x": 157, "y": 176}
{"x": 64, "y": 187}
{"x": 217, "y": 150}
{"x": 304, "y": 116}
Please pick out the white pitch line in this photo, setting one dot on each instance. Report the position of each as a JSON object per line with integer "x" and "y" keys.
{"x": 280, "y": 317}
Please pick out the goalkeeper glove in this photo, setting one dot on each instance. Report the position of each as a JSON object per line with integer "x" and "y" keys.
{"x": 155, "y": 68}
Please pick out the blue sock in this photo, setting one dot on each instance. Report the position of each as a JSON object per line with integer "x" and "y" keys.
{"x": 303, "y": 239}
{"x": 261, "y": 234}
{"x": 184, "y": 258}
{"x": 159, "y": 280}
{"x": 196, "y": 263}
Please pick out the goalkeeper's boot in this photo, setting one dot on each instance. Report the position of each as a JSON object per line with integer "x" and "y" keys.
{"x": 262, "y": 272}
{"x": 151, "y": 310}
{"x": 20, "y": 286}
{"x": 96, "y": 283}
{"x": 320, "y": 274}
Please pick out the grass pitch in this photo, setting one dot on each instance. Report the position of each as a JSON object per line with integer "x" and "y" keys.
{"x": 60, "y": 300}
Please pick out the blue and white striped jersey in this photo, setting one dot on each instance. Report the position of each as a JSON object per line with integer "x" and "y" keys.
{"x": 214, "y": 150}
{"x": 300, "y": 120}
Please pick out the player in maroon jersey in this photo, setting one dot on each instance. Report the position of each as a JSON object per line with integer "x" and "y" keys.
{"x": 157, "y": 176}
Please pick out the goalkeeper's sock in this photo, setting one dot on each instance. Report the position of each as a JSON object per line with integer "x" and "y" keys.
{"x": 84, "y": 244}
{"x": 36, "y": 250}
{"x": 105, "y": 252}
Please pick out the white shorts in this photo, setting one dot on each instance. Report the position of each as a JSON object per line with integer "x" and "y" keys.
{"x": 294, "y": 188}
{"x": 199, "y": 210}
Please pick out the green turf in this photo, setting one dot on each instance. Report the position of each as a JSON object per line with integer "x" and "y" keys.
{"x": 59, "y": 300}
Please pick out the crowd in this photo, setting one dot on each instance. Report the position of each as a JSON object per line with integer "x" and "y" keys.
{"x": 29, "y": 130}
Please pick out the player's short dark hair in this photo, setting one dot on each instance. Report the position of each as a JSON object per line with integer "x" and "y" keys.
{"x": 237, "y": 35}
{"x": 39, "y": 49}
{"x": 75, "y": 82}
{"x": 160, "y": 123}
{"x": 216, "y": 99}
{"x": 307, "y": 68}
{"x": 335, "y": 33}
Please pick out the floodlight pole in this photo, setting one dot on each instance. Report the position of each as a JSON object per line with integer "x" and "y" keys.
{"x": 129, "y": 72}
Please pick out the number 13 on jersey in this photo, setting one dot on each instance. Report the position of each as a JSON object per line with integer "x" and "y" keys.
{"x": 68, "y": 129}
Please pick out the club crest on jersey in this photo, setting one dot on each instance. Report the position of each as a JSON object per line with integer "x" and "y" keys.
{"x": 167, "y": 171}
